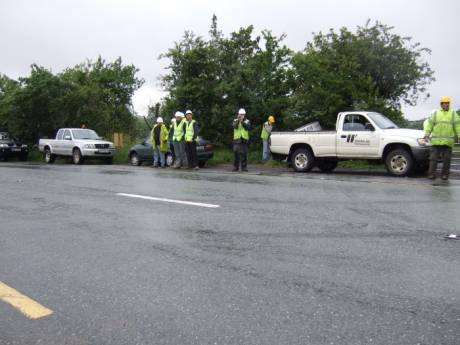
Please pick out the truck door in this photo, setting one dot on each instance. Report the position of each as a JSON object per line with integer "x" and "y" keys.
{"x": 357, "y": 137}
{"x": 67, "y": 144}
{"x": 57, "y": 145}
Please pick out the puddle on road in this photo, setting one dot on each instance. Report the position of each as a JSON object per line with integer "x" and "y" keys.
{"x": 116, "y": 172}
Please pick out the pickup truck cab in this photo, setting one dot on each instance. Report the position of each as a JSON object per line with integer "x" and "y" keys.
{"x": 78, "y": 143}
{"x": 358, "y": 135}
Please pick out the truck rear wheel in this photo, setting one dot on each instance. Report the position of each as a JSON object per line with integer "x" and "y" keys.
{"x": 302, "y": 160}
{"x": 327, "y": 165}
{"x": 399, "y": 162}
{"x": 77, "y": 158}
{"x": 48, "y": 156}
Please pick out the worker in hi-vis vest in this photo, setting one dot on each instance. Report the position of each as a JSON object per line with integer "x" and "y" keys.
{"x": 267, "y": 128}
{"x": 442, "y": 129}
{"x": 191, "y": 134}
{"x": 241, "y": 128}
{"x": 179, "y": 140}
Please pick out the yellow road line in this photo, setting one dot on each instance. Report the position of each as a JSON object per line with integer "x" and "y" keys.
{"x": 24, "y": 304}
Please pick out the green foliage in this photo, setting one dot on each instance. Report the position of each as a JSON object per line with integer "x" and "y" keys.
{"x": 216, "y": 77}
{"x": 371, "y": 69}
{"x": 97, "y": 94}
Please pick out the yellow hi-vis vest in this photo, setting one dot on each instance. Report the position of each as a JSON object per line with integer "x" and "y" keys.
{"x": 442, "y": 127}
{"x": 240, "y": 133}
{"x": 178, "y": 131}
{"x": 189, "y": 131}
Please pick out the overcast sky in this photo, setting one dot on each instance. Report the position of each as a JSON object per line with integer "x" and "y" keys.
{"x": 57, "y": 34}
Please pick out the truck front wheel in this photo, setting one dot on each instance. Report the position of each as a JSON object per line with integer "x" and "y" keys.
{"x": 77, "y": 157}
{"x": 302, "y": 160}
{"x": 399, "y": 162}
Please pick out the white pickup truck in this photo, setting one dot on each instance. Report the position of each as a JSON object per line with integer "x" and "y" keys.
{"x": 359, "y": 135}
{"x": 78, "y": 143}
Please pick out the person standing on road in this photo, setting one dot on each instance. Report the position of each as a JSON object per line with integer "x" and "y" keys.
{"x": 159, "y": 141}
{"x": 179, "y": 140}
{"x": 442, "y": 128}
{"x": 241, "y": 128}
{"x": 267, "y": 128}
{"x": 170, "y": 138}
{"x": 191, "y": 133}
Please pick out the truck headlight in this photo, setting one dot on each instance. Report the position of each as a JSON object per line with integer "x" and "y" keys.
{"x": 3, "y": 145}
{"x": 423, "y": 142}
{"x": 89, "y": 146}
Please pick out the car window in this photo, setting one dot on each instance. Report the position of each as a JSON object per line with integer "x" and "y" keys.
{"x": 355, "y": 122}
{"x": 85, "y": 134}
{"x": 60, "y": 134}
{"x": 66, "y": 133}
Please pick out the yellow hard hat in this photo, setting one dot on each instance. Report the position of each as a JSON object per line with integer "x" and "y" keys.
{"x": 271, "y": 119}
{"x": 445, "y": 99}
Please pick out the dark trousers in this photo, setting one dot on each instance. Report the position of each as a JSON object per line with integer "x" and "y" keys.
{"x": 240, "y": 151}
{"x": 190, "y": 150}
{"x": 436, "y": 151}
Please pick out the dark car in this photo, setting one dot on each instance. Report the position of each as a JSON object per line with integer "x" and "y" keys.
{"x": 143, "y": 152}
{"x": 12, "y": 147}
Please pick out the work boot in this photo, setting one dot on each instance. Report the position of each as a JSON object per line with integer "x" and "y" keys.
{"x": 445, "y": 177}
{"x": 244, "y": 169}
{"x": 235, "y": 169}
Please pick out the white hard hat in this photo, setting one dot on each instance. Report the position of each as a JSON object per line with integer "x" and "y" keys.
{"x": 179, "y": 114}
{"x": 159, "y": 119}
{"x": 242, "y": 111}
{"x": 188, "y": 112}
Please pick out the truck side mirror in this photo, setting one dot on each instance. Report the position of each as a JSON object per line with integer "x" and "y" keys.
{"x": 67, "y": 137}
{"x": 369, "y": 127}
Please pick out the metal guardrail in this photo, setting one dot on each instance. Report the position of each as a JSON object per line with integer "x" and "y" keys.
{"x": 455, "y": 165}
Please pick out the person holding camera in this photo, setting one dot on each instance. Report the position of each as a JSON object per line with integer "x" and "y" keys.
{"x": 241, "y": 128}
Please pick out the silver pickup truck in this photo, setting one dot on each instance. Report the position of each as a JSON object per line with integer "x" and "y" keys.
{"x": 78, "y": 143}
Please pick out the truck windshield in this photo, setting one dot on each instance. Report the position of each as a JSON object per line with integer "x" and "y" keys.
{"x": 85, "y": 134}
{"x": 382, "y": 121}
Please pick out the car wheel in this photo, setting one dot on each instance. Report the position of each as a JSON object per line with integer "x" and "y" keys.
{"x": 134, "y": 159}
{"x": 302, "y": 160}
{"x": 399, "y": 162}
{"x": 49, "y": 157}
{"x": 108, "y": 160}
{"x": 327, "y": 165}
{"x": 77, "y": 158}
{"x": 23, "y": 157}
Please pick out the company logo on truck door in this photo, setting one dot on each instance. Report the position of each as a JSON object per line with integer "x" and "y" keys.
{"x": 351, "y": 138}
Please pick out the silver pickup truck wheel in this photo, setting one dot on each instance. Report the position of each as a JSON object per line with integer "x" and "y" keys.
{"x": 77, "y": 157}
{"x": 48, "y": 156}
{"x": 302, "y": 160}
{"x": 399, "y": 162}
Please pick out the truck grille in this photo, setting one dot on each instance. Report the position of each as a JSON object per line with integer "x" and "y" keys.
{"x": 101, "y": 146}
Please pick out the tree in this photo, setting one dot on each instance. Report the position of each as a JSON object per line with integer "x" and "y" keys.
{"x": 370, "y": 69}
{"x": 97, "y": 94}
{"x": 216, "y": 76}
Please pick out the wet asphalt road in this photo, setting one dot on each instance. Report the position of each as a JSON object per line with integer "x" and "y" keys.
{"x": 289, "y": 259}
